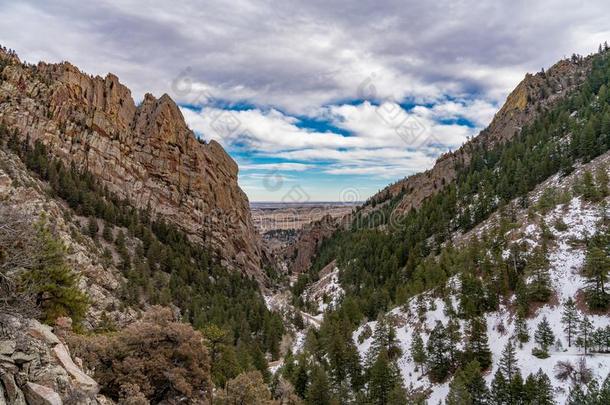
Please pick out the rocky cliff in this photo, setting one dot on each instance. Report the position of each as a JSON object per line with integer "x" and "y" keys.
{"x": 144, "y": 153}
{"x": 299, "y": 254}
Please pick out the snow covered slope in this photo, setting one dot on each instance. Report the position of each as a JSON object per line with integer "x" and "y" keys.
{"x": 577, "y": 220}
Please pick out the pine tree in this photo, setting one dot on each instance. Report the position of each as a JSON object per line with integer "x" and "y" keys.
{"x": 601, "y": 180}
{"x": 418, "y": 351}
{"x": 438, "y": 357}
{"x": 544, "y": 394}
{"x": 588, "y": 189}
{"x": 52, "y": 282}
{"x": 584, "y": 334}
{"x": 454, "y": 337}
{"x": 521, "y": 331}
{"x": 539, "y": 288}
{"x": 500, "y": 393}
{"x": 576, "y": 396}
{"x": 93, "y": 227}
{"x": 604, "y": 391}
{"x": 570, "y": 320}
{"x": 515, "y": 388}
{"x": 597, "y": 266}
{"x": 477, "y": 347}
{"x": 107, "y": 232}
{"x": 318, "y": 392}
{"x": 301, "y": 381}
{"x": 593, "y": 392}
{"x": 458, "y": 391}
{"x": 530, "y": 389}
{"x": 476, "y": 384}
{"x": 508, "y": 362}
{"x": 544, "y": 336}
{"x": 384, "y": 338}
{"x": 383, "y": 378}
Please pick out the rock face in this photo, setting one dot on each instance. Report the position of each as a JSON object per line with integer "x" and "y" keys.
{"x": 36, "y": 368}
{"x": 145, "y": 154}
{"x": 299, "y": 255}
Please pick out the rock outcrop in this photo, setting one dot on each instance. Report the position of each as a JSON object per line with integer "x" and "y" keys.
{"x": 300, "y": 253}
{"x": 144, "y": 153}
{"x": 36, "y": 367}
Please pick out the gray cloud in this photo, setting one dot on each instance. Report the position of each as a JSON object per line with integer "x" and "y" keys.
{"x": 300, "y": 55}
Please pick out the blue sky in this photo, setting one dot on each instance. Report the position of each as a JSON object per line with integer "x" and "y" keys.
{"x": 315, "y": 100}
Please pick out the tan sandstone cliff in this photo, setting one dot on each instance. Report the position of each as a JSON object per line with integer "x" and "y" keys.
{"x": 144, "y": 153}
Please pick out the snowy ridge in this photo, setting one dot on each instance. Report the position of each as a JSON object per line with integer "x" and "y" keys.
{"x": 566, "y": 260}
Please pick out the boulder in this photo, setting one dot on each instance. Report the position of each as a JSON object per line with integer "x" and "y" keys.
{"x": 80, "y": 378}
{"x": 42, "y": 332}
{"x": 41, "y": 395}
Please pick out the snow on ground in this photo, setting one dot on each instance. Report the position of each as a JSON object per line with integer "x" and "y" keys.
{"x": 326, "y": 292}
{"x": 566, "y": 260}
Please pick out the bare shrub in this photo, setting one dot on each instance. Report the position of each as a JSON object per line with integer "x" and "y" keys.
{"x": 156, "y": 359}
{"x": 564, "y": 370}
{"x": 19, "y": 250}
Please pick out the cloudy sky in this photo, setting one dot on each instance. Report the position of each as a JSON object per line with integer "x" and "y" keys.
{"x": 316, "y": 100}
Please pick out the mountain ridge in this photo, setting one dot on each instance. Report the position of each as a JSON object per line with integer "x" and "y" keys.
{"x": 144, "y": 153}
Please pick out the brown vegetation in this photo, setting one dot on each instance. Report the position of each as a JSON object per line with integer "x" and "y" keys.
{"x": 155, "y": 359}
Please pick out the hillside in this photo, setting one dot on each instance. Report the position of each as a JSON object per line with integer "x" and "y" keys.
{"x": 514, "y": 228}
{"x": 571, "y": 224}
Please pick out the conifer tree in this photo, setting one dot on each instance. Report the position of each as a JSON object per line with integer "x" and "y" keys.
{"x": 601, "y": 180}
{"x": 301, "y": 380}
{"x": 500, "y": 394}
{"x": 93, "y": 227}
{"x": 597, "y": 266}
{"x": 418, "y": 351}
{"x": 477, "y": 347}
{"x": 458, "y": 392}
{"x": 585, "y": 330}
{"x": 454, "y": 337}
{"x": 384, "y": 338}
{"x": 570, "y": 320}
{"x": 476, "y": 384}
{"x": 515, "y": 388}
{"x": 521, "y": 331}
{"x": 318, "y": 392}
{"x": 604, "y": 391}
{"x": 539, "y": 288}
{"x": 544, "y": 336}
{"x": 52, "y": 281}
{"x": 383, "y": 378}
{"x": 438, "y": 357}
{"x": 508, "y": 362}
{"x": 530, "y": 389}
{"x": 588, "y": 189}
{"x": 576, "y": 396}
{"x": 544, "y": 394}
